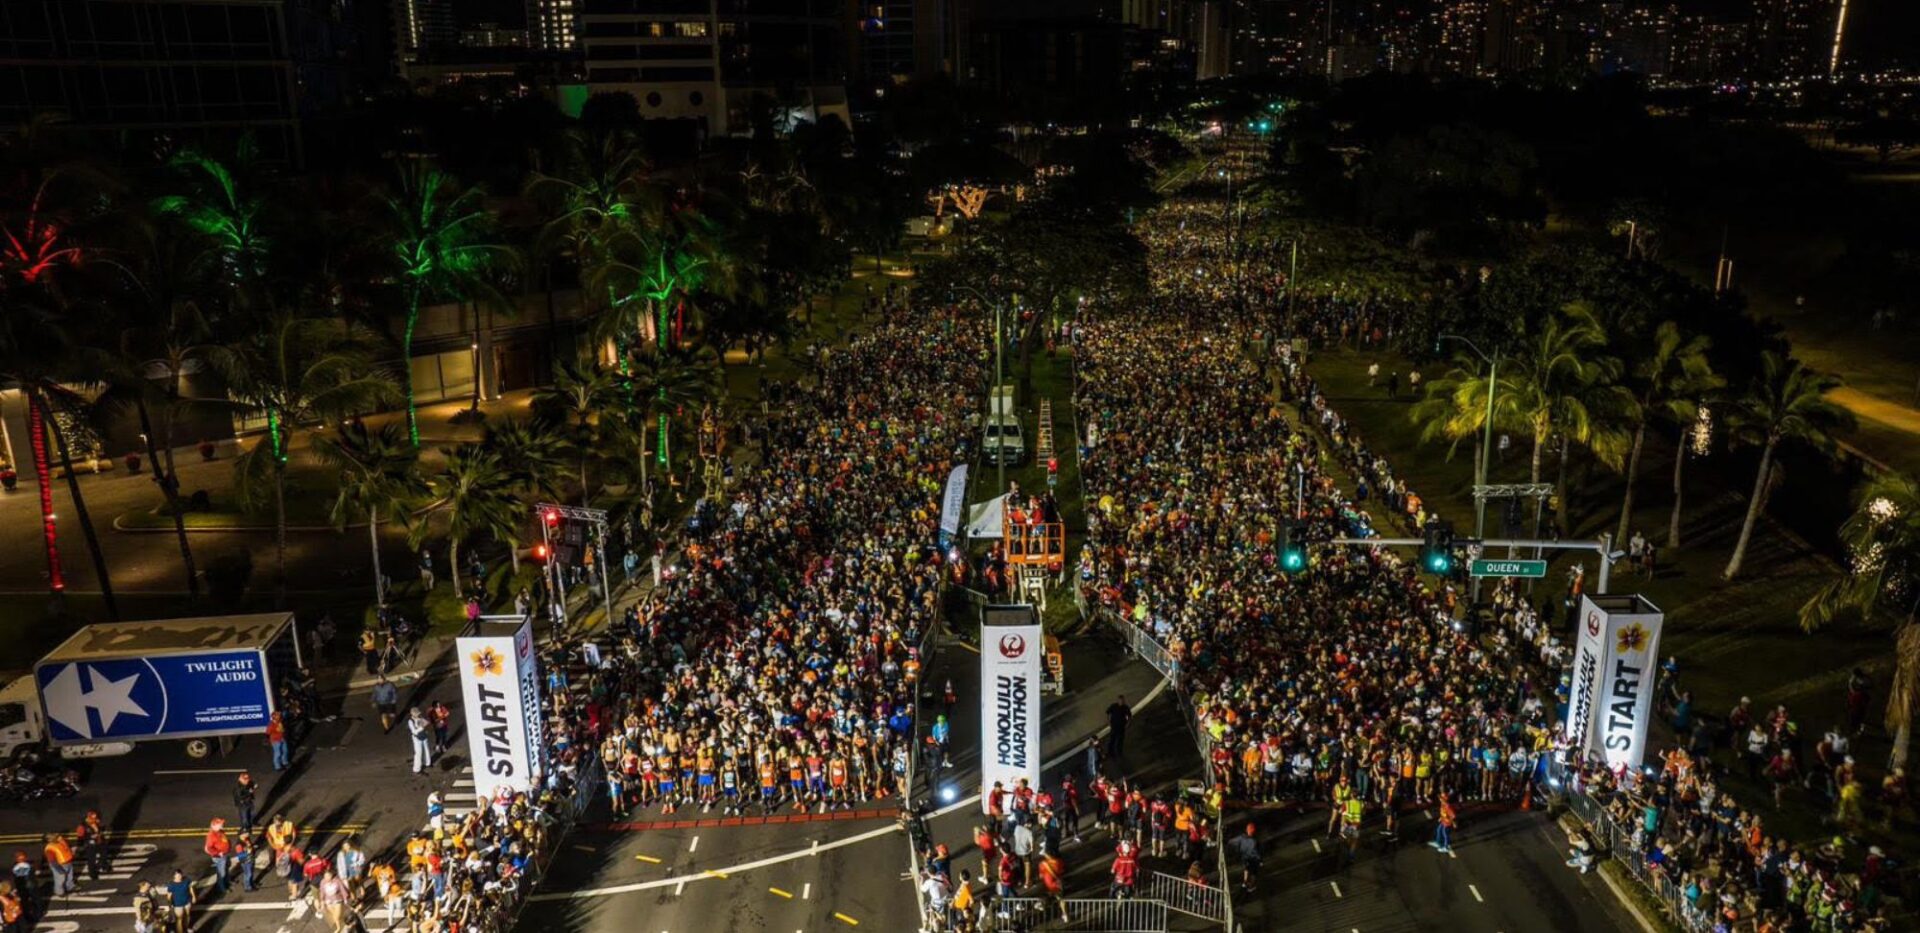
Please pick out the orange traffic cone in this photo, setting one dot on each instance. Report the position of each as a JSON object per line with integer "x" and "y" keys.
{"x": 1526, "y": 797}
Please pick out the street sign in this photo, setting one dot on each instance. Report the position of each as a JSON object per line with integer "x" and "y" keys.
{"x": 1525, "y": 569}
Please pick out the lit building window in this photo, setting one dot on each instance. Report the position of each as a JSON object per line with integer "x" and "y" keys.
{"x": 690, "y": 30}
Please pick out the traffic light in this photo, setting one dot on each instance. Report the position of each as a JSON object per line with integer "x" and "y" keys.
{"x": 551, "y": 517}
{"x": 540, "y": 553}
{"x": 1436, "y": 549}
{"x": 1053, "y": 471}
{"x": 1293, "y": 547}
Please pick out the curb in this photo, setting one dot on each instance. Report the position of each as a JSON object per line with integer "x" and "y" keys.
{"x": 227, "y": 529}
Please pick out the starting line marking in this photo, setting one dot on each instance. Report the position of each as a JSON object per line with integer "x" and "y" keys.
{"x": 971, "y": 800}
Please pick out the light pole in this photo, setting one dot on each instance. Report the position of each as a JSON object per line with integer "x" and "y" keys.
{"x": 1486, "y": 444}
{"x": 999, "y": 375}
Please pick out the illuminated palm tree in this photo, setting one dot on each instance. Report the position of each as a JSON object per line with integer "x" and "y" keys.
{"x": 571, "y": 410}
{"x": 1882, "y": 586}
{"x": 435, "y": 239}
{"x": 663, "y": 386}
{"x": 295, "y": 371}
{"x": 379, "y": 475}
{"x": 1785, "y": 402}
{"x": 222, "y": 203}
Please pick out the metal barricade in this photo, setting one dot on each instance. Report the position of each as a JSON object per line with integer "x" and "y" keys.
{"x": 1090, "y": 915}
{"x": 1616, "y": 840}
{"x": 1200, "y": 900}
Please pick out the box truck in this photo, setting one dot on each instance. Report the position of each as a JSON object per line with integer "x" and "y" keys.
{"x": 112, "y": 685}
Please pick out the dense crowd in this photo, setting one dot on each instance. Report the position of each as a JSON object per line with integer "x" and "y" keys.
{"x": 1349, "y": 679}
{"x": 776, "y": 667}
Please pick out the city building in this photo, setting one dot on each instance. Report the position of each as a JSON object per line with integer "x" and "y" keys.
{"x": 896, "y": 41}
{"x": 492, "y": 36}
{"x": 553, "y": 25}
{"x": 420, "y": 26}
{"x": 706, "y": 61}
{"x": 192, "y": 69}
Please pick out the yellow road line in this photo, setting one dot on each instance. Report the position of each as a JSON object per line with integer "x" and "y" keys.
{"x": 786, "y": 894}
{"x": 648, "y": 859}
{"x": 714, "y": 874}
{"x": 849, "y": 921}
{"x": 968, "y": 647}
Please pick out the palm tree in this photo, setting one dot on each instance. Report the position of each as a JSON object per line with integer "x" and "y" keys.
{"x": 1455, "y": 409}
{"x": 660, "y": 387}
{"x": 222, "y": 204}
{"x": 476, "y": 492}
{"x": 1546, "y": 391}
{"x": 571, "y": 409}
{"x": 166, "y": 338}
{"x": 379, "y": 474}
{"x": 535, "y": 456}
{"x": 1668, "y": 381}
{"x": 1786, "y": 401}
{"x": 295, "y": 371}
{"x": 435, "y": 239}
{"x": 1882, "y": 585}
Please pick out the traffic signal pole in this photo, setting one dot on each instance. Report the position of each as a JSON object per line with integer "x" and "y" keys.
{"x": 1603, "y": 546}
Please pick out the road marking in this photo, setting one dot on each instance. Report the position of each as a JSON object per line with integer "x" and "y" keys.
{"x": 88, "y": 898}
{"x": 816, "y": 848}
{"x": 968, "y": 647}
{"x": 682, "y": 886}
{"x": 1450, "y": 853}
{"x": 695, "y": 845}
{"x": 1316, "y": 844}
{"x": 849, "y": 921}
{"x": 647, "y": 858}
{"x": 583, "y": 848}
{"x": 713, "y": 873}
{"x": 786, "y": 894}
{"x": 1476, "y": 894}
{"x": 205, "y": 771}
{"x": 1336, "y": 889}
{"x": 972, "y": 800}
{"x": 806, "y": 891}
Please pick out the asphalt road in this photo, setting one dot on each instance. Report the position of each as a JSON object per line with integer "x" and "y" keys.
{"x": 346, "y": 778}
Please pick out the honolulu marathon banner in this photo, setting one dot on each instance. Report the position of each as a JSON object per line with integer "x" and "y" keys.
{"x": 1615, "y": 658}
{"x": 1011, "y": 645}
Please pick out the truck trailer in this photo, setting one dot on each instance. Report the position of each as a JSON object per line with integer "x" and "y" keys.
{"x": 112, "y": 685}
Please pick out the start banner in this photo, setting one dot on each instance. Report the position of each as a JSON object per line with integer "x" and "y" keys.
{"x": 500, "y": 695}
{"x": 1011, "y": 648}
{"x": 1615, "y": 666}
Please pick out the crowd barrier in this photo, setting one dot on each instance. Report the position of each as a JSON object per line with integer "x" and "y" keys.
{"x": 1103, "y": 915}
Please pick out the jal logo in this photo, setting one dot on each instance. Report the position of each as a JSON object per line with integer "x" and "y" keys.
{"x": 1012, "y": 646}
{"x": 1593, "y": 624}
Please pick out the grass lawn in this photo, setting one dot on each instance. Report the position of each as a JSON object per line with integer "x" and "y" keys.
{"x": 1732, "y": 639}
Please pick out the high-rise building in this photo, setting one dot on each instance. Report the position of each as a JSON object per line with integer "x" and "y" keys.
{"x": 708, "y": 60}
{"x": 420, "y": 26}
{"x": 898, "y": 40}
{"x": 1459, "y": 35}
{"x": 553, "y": 25}
{"x": 184, "y": 69}
{"x": 1793, "y": 38}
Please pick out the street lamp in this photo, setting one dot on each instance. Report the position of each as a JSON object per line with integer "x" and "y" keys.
{"x": 999, "y": 373}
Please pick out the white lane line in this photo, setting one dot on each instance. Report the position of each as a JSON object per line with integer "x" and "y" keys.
{"x": 682, "y": 886}
{"x": 1450, "y": 853}
{"x": 1078, "y": 749}
{"x": 694, "y": 846}
{"x": 1316, "y": 845}
{"x": 1336, "y": 889}
{"x": 1476, "y": 894}
{"x": 806, "y": 891}
{"x": 203, "y": 771}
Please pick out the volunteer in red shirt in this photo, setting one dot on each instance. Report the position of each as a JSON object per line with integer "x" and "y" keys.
{"x": 219, "y": 850}
{"x": 985, "y": 839}
{"x": 1126, "y": 865}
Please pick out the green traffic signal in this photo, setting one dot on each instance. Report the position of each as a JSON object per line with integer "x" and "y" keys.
{"x": 1293, "y": 560}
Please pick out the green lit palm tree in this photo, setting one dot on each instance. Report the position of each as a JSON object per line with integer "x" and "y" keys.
{"x": 1785, "y": 402}
{"x": 436, "y": 240}
{"x": 379, "y": 476}
{"x": 295, "y": 371}
{"x": 1669, "y": 380}
{"x": 222, "y": 203}
{"x": 1882, "y": 586}
{"x": 663, "y": 386}
{"x": 476, "y": 494}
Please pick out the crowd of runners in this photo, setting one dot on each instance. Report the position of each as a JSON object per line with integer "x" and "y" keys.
{"x": 776, "y": 668}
